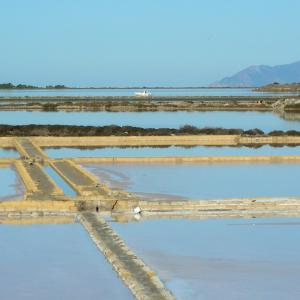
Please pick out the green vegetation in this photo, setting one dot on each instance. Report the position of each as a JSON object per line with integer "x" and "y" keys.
{"x": 10, "y": 86}
{"x": 49, "y": 107}
{"x": 294, "y": 107}
{"x": 58, "y": 86}
{"x": 114, "y": 130}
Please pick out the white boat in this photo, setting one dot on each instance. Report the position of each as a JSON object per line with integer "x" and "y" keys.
{"x": 145, "y": 93}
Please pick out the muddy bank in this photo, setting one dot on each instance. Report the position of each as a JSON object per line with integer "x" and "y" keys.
{"x": 114, "y": 130}
{"x": 131, "y": 103}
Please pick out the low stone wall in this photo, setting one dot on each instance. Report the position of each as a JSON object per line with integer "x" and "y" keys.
{"x": 7, "y": 142}
{"x": 80, "y": 180}
{"x": 281, "y": 140}
{"x": 27, "y": 148}
{"x": 20, "y": 149}
{"x": 39, "y": 152}
{"x": 140, "y": 279}
{"x": 38, "y": 218}
{"x": 36, "y": 180}
{"x": 135, "y": 141}
{"x": 191, "y": 159}
{"x": 203, "y": 215}
{"x": 93, "y": 194}
{"x": 284, "y": 205}
{"x": 182, "y": 140}
{"x": 6, "y": 162}
{"x": 30, "y": 185}
{"x": 28, "y": 207}
{"x": 240, "y": 204}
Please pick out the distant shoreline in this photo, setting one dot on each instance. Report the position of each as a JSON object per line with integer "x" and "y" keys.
{"x": 279, "y": 88}
{"x": 125, "y": 131}
{"x": 154, "y": 103}
{"x": 128, "y": 88}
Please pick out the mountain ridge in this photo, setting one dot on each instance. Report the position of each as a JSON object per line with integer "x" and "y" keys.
{"x": 259, "y": 75}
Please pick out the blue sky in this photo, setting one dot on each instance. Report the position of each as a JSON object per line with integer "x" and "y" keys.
{"x": 143, "y": 42}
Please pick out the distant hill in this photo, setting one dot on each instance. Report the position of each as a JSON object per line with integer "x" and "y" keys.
{"x": 256, "y": 76}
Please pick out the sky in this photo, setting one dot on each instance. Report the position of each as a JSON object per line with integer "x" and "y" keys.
{"x": 143, "y": 42}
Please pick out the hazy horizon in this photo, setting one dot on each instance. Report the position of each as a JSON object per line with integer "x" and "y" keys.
{"x": 137, "y": 43}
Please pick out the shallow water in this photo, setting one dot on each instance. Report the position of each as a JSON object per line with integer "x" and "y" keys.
{"x": 266, "y": 121}
{"x": 11, "y": 186}
{"x": 201, "y": 181}
{"x": 131, "y": 92}
{"x": 221, "y": 259}
{"x": 8, "y": 152}
{"x": 41, "y": 262}
{"x": 169, "y": 151}
{"x": 67, "y": 189}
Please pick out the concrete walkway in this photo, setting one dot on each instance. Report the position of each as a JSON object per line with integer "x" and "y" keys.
{"x": 140, "y": 279}
{"x": 44, "y": 197}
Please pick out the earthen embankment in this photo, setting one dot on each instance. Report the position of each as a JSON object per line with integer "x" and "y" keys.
{"x": 136, "y": 104}
{"x": 140, "y": 279}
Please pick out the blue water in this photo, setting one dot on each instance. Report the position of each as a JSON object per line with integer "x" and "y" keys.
{"x": 11, "y": 186}
{"x": 266, "y": 121}
{"x": 8, "y": 153}
{"x": 43, "y": 262}
{"x": 221, "y": 259}
{"x": 130, "y": 92}
{"x": 68, "y": 191}
{"x": 202, "y": 181}
{"x": 169, "y": 151}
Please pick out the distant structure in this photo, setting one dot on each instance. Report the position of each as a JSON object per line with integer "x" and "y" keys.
{"x": 145, "y": 93}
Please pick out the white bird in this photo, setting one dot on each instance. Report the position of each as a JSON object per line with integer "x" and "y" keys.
{"x": 137, "y": 210}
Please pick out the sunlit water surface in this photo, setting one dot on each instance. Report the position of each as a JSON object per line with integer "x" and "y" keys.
{"x": 8, "y": 153}
{"x": 60, "y": 152}
{"x": 131, "y": 92}
{"x": 201, "y": 181}
{"x": 266, "y": 121}
{"x": 11, "y": 186}
{"x": 60, "y": 182}
{"x": 43, "y": 262}
{"x": 221, "y": 259}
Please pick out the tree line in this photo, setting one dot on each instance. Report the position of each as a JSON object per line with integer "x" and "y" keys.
{"x": 10, "y": 86}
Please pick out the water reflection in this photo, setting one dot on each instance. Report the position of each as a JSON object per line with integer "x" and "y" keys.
{"x": 131, "y": 92}
{"x": 8, "y": 153}
{"x": 55, "y": 262}
{"x": 221, "y": 259}
{"x": 163, "y": 151}
{"x": 201, "y": 181}
{"x": 267, "y": 121}
{"x": 11, "y": 186}
{"x": 65, "y": 187}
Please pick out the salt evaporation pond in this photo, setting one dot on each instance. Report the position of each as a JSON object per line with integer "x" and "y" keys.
{"x": 61, "y": 152}
{"x": 201, "y": 181}
{"x": 8, "y": 153}
{"x": 60, "y": 182}
{"x": 267, "y": 121}
{"x": 220, "y": 259}
{"x": 131, "y": 92}
{"x": 43, "y": 262}
{"x": 11, "y": 186}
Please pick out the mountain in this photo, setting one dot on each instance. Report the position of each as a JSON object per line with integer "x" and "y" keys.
{"x": 255, "y": 76}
